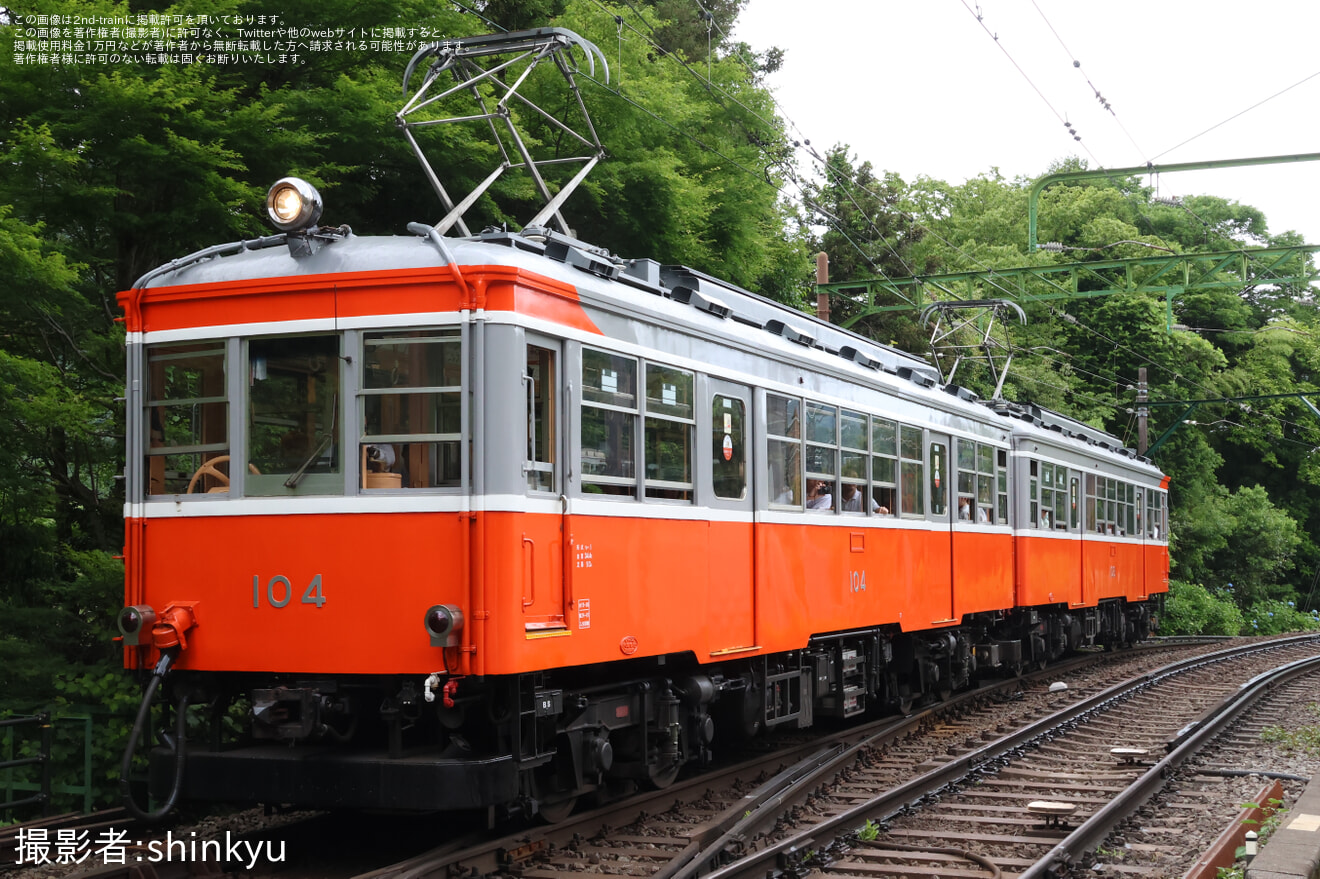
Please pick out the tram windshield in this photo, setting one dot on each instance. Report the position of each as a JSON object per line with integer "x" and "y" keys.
{"x": 293, "y": 415}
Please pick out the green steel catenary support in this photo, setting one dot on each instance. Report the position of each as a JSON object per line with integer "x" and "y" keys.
{"x": 1148, "y": 168}
{"x": 1167, "y": 275}
{"x": 1193, "y": 404}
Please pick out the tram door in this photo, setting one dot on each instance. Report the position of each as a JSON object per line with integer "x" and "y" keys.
{"x": 727, "y": 449}
{"x": 935, "y": 583}
{"x": 542, "y": 541}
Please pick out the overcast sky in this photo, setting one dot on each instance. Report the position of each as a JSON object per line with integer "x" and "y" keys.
{"x": 923, "y": 87}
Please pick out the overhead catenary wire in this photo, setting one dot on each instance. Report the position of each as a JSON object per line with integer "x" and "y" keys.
{"x": 1260, "y": 103}
{"x": 846, "y": 182}
{"x": 1100, "y": 166}
{"x": 1077, "y": 65}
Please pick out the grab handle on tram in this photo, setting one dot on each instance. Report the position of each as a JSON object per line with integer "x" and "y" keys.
{"x": 529, "y": 571}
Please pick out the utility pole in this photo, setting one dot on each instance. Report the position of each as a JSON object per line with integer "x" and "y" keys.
{"x": 822, "y": 277}
{"x": 1143, "y": 411}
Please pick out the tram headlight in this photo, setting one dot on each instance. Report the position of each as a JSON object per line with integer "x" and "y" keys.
{"x": 135, "y": 622}
{"x": 443, "y": 622}
{"x": 293, "y": 204}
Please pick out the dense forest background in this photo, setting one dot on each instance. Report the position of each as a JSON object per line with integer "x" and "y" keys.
{"x": 111, "y": 170}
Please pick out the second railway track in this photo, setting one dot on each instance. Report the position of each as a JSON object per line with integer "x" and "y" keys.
{"x": 959, "y": 781}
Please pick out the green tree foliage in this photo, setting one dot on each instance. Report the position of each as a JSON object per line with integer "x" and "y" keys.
{"x": 1191, "y": 609}
{"x": 1243, "y": 473}
{"x": 1243, "y": 541}
{"x": 111, "y": 170}
{"x": 1275, "y": 617}
{"x": 865, "y": 234}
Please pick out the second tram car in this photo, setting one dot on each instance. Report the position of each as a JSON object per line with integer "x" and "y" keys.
{"x": 501, "y": 520}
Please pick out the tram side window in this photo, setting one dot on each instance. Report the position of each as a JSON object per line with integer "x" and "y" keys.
{"x": 939, "y": 467}
{"x": 1099, "y": 512}
{"x": 728, "y": 447}
{"x": 411, "y": 410}
{"x": 1002, "y": 484}
{"x": 669, "y": 428}
{"x": 539, "y": 382}
{"x": 1154, "y": 515}
{"x": 1060, "y": 518}
{"x": 1112, "y": 487}
{"x": 912, "y": 474}
{"x": 609, "y": 414}
{"x": 884, "y": 467}
{"x": 1033, "y": 494}
{"x": 1046, "y": 494}
{"x": 822, "y": 458}
{"x": 187, "y": 413}
{"x": 1074, "y": 502}
{"x": 976, "y": 483}
{"x": 967, "y": 511}
{"x": 784, "y": 450}
{"x": 1053, "y": 496}
{"x": 985, "y": 483}
{"x": 1092, "y": 522}
{"x": 853, "y": 448}
{"x": 1108, "y": 509}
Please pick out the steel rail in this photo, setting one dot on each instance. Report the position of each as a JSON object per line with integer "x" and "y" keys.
{"x": 1095, "y": 830}
{"x": 896, "y": 800}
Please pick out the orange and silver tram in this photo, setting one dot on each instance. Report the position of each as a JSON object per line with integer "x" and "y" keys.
{"x": 502, "y": 520}
{"x": 496, "y": 520}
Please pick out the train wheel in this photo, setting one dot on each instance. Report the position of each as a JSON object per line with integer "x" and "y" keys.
{"x": 662, "y": 776}
{"x": 904, "y": 699}
{"x": 553, "y": 813}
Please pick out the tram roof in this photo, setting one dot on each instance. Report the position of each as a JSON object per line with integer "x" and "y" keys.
{"x": 566, "y": 259}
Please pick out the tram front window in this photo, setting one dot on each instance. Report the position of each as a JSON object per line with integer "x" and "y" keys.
{"x": 293, "y": 416}
{"x": 187, "y": 419}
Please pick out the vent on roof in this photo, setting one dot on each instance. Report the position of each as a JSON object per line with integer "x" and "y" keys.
{"x": 702, "y": 302}
{"x": 917, "y": 376}
{"x": 961, "y": 393}
{"x": 779, "y": 328}
{"x": 848, "y": 352}
{"x": 580, "y": 259}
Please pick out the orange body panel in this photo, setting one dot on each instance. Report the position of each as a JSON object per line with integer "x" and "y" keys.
{"x": 375, "y": 580}
{"x": 1112, "y": 570}
{"x": 1049, "y": 570}
{"x": 352, "y": 294}
{"x": 732, "y": 583}
{"x": 552, "y": 591}
{"x": 982, "y": 572}
{"x": 636, "y": 587}
{"x": 1156, "y": 557}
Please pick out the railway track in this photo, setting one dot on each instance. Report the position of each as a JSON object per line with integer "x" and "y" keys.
{"x": 1035, "y": 801}
{"x": 978, "y": 765}
{"x": 769, "y": 814}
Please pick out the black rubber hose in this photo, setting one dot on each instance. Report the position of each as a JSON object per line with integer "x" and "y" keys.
{"x": 143, "y": 715}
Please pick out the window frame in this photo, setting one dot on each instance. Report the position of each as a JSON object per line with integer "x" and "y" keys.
{"x": 225, "y": 347}
{"x": 442, "y": 336}
{"x": 610, "y": 484}
{"x": 792, "y": 440}
{"x": 661, "y": 418}
{"x": 348, "y": 384}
